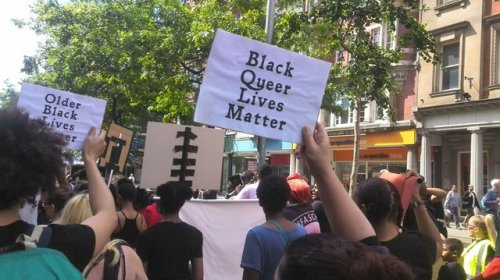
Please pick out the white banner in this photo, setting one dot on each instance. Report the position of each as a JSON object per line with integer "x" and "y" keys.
{"x": 224, "y": 224}
{"x": 68, "y": 113}
{"x": 257, "y": 88}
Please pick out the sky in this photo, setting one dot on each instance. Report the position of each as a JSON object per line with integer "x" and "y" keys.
{"x": 15, "y": 42}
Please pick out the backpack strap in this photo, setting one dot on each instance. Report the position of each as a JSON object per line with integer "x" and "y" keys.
{"x": 45, "y": 236}
{"x": 35, "y": 236}
{"x": 110, "y": 272}
{"x": 32, "y": 237}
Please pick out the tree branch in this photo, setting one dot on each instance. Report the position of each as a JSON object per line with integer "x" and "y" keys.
{"x": 197, "y": 72}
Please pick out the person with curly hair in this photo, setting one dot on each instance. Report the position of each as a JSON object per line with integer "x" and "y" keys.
{"x": 31, "y": 162}
{"x": 167, "y": 248}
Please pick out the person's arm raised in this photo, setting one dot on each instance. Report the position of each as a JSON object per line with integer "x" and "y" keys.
{"x": 437, "y": 194}
{"x": 425, "y": 223}
{"x": 345, "y": 217}
{"x": 103, "y": 221}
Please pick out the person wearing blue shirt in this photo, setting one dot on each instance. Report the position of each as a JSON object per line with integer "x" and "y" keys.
{"x": 490, "y": 201}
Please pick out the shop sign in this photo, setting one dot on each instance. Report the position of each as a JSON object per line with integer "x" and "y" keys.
{"x": 382, "y": 154}
{"x": 381, "y": 139}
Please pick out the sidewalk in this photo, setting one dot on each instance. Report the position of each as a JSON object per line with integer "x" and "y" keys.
{"x": 460, "y": 234}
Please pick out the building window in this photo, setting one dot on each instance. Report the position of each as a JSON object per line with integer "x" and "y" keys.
{"x": 381, "y": 35}
{"x": 450, "y": 67}
{"x": 347, "y": 117}
{"x": 376, "y": 36}
{"x": 368, "y": 114}
{"x": 390, "y": 42}
{"x": 495, "y": 65}
{"x": 444, "y": 2}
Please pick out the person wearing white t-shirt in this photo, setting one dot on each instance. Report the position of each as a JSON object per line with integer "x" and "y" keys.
{"x": 249, "y": 191}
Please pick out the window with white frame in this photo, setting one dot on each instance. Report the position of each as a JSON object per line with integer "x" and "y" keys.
{"x": 389, "y": 38}
{"x": 375, "y": 34}
{"x": 450, "y": 69}
{"x": 443, "y": 2}
{"x": 346, "y": 117}
{"x": 368, "y": 114}
{"x": 382, "y": 36}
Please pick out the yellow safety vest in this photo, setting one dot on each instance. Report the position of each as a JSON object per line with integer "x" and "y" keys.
{"x": 474, "y": 257}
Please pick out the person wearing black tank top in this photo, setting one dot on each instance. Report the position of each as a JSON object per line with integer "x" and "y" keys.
{"x": 130, "y": 222}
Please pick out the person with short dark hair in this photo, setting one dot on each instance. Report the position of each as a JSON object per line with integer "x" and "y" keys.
{"x": 130, "y": 222}
{"x": 453, "y": 203}
{"x": 210, "y": 194}
{"x": 56, "y": 200}
{"x": 167, "y": 248}
{"x": 31, "y": 160}
{"x": 327, "y": 256}
{"x": 451, "y": 269}
{"x": 264, "y": 244}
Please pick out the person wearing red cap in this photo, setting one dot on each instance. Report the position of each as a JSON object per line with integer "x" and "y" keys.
{"x": 299, "y": 209}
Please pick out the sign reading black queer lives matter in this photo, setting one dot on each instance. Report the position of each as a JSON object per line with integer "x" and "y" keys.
{"x": 258, "y": 88}
{"x": 70, "y": 114}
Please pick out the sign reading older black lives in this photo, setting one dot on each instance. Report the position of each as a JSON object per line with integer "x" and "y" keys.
{"x": 258, "y": 88}
{"x": 70, "y": 114}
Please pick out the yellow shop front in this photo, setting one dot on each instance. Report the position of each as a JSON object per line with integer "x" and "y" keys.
{"x": 393, "y": 150}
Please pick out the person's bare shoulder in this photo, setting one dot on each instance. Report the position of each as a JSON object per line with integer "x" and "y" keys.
{"x": 135, "y": 269}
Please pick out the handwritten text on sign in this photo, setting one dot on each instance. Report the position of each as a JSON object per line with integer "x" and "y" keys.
{"x": 70, "y": 114}
{"x": 260, "y": 89}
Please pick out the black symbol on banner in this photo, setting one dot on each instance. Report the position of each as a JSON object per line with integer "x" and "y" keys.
{"x": 184, "y": 161}
{"x": 116, "y": 150}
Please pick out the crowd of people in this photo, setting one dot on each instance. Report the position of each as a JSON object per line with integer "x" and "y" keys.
{"x": 393, "y": 227}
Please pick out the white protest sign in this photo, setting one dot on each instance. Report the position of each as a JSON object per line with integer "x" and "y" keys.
{"x": 257, "y": 88}
{"x": 175, "y": 151}
{"x": 68, "y": 113}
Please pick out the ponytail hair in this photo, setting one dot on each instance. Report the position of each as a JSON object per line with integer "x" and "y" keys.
{"x": 110, "y": 254}
{"x": 490, "y": 229}
{"x": 486, "y": 226}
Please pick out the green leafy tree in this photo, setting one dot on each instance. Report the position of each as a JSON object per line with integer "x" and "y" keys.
{"x": 146, "y": 58}
{"x": 8, "y": 94}
{"x": 332, "y": 26}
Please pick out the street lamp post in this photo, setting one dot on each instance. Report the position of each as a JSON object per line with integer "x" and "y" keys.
{"x": 261, "y": 141}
